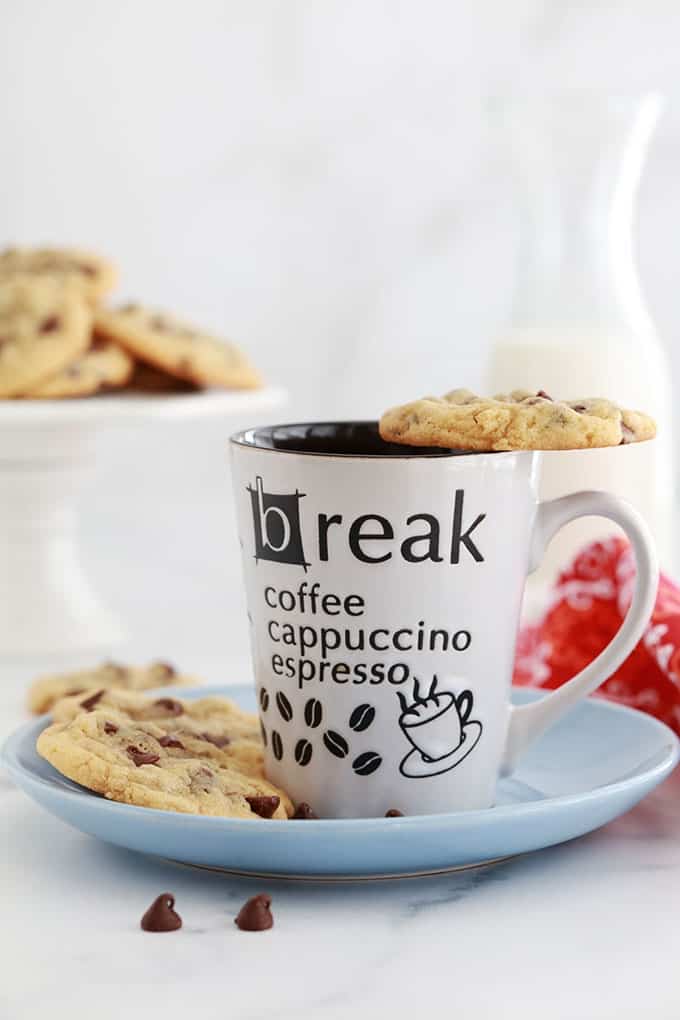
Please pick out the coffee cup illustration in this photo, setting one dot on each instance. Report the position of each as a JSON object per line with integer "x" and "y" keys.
{"x": 439, "y": 728}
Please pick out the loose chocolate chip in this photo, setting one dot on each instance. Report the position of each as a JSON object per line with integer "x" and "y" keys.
{"x": 264, "y": 806}
{"x": 50, "y": 324}
{"x": 167, "y": 740}
{"x": 336, "y": 744}
{"x": 217, "y": 741}
{"x": 110, "y": 728}
{"x": 304, "y": 812}
{"x": 303, "y": 752}
{"x": 89, "y": 703}
{"x": 367, "y": 763}
{"x": 361, "y": 718}
{"x": 542, "y": 393}
{"x": 284, "y": 706}
{"x": 313, "y": 713}
{"x": 277, "y": 745}
{"x": 140, "y": 757}
{"x": 172, "y": 707}
{"x": 394, "y": 813}
{"x": 161, "y": 916}
{"x": 264, "y": 699}
{"x": 255, "y": 914}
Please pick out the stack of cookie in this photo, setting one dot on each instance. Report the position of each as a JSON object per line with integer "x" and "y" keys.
{"x": 198, "y": 757}
{"x": 58, "y": 340}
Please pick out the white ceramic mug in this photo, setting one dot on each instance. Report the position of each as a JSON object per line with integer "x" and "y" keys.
{"x": 384, "y": 587}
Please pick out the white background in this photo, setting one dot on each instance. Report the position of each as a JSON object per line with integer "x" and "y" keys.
{"x": 318, "y": 179}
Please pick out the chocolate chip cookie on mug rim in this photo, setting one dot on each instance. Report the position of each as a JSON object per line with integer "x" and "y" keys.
{"x": 520, "y": 420}
{"x": 44, "y": 325}
{"x": 176, "y": 347}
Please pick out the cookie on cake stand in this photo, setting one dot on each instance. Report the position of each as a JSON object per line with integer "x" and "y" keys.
{"x": 48, "y": 602}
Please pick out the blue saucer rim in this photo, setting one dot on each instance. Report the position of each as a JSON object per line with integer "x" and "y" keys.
{"x": 655, "y": 774}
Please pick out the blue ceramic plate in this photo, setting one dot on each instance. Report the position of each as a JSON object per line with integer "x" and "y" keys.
{"x": 592, "y": 766}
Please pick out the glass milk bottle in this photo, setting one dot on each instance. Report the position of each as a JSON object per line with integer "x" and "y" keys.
{"x": 579, "y": 326}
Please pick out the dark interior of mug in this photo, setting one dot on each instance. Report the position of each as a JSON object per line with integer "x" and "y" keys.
{"x": 335, "y": 439}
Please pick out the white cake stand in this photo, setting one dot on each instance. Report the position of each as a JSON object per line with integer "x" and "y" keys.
{"x": 48, "y": 604}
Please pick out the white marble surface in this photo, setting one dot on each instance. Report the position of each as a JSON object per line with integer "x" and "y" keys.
{"x": 588, "y": 930}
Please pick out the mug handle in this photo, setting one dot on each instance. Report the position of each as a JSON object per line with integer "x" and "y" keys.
{"x": 527, "y": 722}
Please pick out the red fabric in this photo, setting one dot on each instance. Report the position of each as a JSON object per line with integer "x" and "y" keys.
{"x": 584, "y": 612}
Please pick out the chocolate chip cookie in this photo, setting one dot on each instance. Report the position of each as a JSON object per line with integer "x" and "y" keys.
{"x": 103, "y": 366}
{"x": 517, "y": 421}
{"x": 44, "y": 325}
{"x": 135, "y": 764}
{"x": 47, "y": 690}
{"x": 92, "y": 275}
{"x": 211, "y": 727}
{"x": 177, "y": 347}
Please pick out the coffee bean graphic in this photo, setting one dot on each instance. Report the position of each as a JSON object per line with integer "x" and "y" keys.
{"x": 313, "y": 712}
{"x": 264, "y": 734}
{"x": 361, "y": 718}
{"x": 264, "y": 699}
{"x": 277, "y": 745}
{"x": 336, "y": 744}
{"x": 366, "y": 763}
{"x": 303, "y": 752}
{"x": 284, "y": 706}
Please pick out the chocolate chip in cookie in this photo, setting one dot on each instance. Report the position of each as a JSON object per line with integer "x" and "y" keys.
{"x": 89, "y": 703}
{"x": 168, "y": 740}
{"x": 140, "y": 757}
{"x": 170, "y": 706}
{"x": 264, "y": 806}
{"x": 218, "y": 740}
